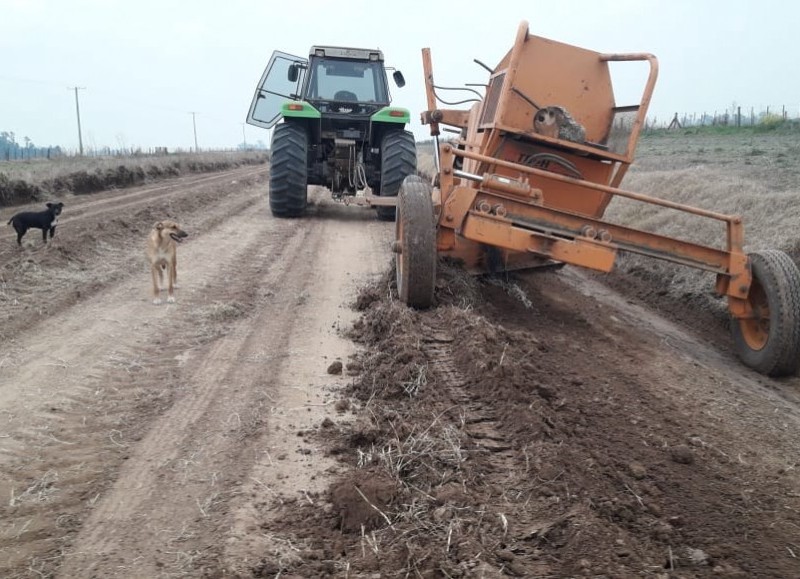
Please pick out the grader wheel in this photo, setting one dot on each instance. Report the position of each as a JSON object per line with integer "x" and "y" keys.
{"x": 769, "y": 341}
{"x": 415, "y": 243}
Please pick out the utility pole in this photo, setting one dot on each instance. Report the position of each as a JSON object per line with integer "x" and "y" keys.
{"x": 194, "y": 125}
{"x": 244, "y": 137}
{"x": 78, "y": 112}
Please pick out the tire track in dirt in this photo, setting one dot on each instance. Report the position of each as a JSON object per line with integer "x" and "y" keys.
{"x": 480, "y": 422}
{"x": 178, "y": 452}
{"x": 168, "y": 510}
{"x": 289, "y": 467}
{"x": 73, "y": 397}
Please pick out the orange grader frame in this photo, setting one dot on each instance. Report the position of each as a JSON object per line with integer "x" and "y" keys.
{"x": 507, "y": 196}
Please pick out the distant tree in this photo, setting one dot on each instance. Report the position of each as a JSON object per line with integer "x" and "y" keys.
{"x": 10, "y": 149}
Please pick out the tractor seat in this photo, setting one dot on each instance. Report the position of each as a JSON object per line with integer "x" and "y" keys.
{"x": 345, "y": 95}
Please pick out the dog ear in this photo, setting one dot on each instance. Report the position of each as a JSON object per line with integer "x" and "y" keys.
{"x": 49, "y": 205}
{"x": 158, "y": 225}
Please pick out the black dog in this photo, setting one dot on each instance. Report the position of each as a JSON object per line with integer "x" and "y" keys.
{"x": 45, "y": 220}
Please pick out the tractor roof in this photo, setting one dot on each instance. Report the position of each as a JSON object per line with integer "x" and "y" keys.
{"x": 345, "y": 52}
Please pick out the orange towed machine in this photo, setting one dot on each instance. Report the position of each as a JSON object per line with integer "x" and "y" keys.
{"x": 538, "y": 160}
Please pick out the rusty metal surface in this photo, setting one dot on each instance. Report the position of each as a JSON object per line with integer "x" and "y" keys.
{"x": 509, "y": 186}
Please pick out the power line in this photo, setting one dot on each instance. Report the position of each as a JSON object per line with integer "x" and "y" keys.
{"x": 114, "y": 98}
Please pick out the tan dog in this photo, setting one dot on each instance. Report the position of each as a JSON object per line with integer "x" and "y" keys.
{"x": 162, "y": 253}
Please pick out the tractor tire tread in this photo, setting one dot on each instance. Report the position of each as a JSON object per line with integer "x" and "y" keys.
{"x": 398, "y": 160}
{"x": 288, "y": 178}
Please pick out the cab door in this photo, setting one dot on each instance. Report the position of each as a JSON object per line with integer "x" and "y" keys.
{"x": 280, "y": 82}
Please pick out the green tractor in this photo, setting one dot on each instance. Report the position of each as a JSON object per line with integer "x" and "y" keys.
{"x": 338, "y": 129}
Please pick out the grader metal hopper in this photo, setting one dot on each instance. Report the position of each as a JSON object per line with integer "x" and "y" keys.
{"x": 539, "y": 158}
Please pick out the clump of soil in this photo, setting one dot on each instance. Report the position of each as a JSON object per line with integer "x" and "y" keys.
{"x": 360, "y": 501}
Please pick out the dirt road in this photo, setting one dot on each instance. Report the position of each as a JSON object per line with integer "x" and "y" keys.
{"x": 538, "y": 426}
{"x": 135, "y": 436}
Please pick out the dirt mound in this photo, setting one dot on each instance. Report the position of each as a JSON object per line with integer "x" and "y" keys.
{"x": 507, "y": 436}
{"x": 128, "y": 172}
{"x": 13, "y": 191}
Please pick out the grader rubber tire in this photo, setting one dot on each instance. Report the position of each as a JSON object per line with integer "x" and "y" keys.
{"x": 769, "y": 342}
{"x": 288, "y": 176}
{"x": 415, "y": 243}
{"x": 398, "y": 160}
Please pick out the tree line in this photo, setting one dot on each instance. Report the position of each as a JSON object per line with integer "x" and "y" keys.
{"x": 11, "y": 149}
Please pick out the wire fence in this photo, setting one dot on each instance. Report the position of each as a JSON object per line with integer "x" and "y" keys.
{"x": 31, "y": 153}
{"x": 735, "y": 116}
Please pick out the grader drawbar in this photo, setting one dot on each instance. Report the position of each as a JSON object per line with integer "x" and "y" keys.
{"x": 538, "y": 159}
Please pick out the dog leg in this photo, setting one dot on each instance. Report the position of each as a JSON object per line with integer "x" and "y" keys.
{"x": 155, "y": 271}
{"x": 174, "y": 272}
{"x": 171, "y": 283}
{"x": 20, "y": 232}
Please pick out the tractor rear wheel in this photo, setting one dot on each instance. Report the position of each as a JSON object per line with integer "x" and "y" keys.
{"x": 288, "y": 177}
{"x": 398, "y": 160}
{"x": 415, "y": 243}
{"x": 769, "y": 341}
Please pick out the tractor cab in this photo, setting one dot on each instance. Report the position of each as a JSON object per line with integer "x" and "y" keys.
{"x": 347, "y": 81}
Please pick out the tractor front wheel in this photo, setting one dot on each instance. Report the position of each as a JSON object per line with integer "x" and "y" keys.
{"x": 415, "y": 243}
{"x": 398, "y": 160}
{"x": 769, "y": 340}
{"x": 288, "y": 173}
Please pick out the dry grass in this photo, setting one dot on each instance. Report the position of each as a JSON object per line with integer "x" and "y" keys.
{"x": 513, "y": 289}
{"x": 219, "y": 312}
{"x": 420, "y": 461}
{"x": 40, "y": 490}
{"x": 425, "y": 159}
{"x": 752, "y": 176}
{"x": 40, "y": 170}
{"x": 770, "y": 216}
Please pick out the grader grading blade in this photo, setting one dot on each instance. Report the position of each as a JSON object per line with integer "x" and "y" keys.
{"x": 539, "y": 158}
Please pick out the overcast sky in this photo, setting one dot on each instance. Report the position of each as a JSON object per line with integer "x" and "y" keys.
{"x": 145, "y": 65}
